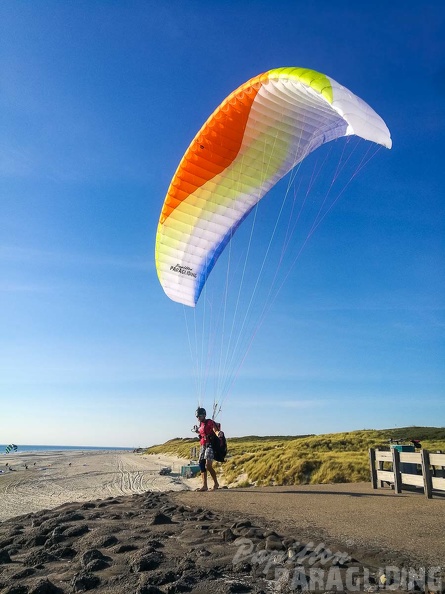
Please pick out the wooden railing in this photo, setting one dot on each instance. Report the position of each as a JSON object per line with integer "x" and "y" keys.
{"x": 414, "y": 469}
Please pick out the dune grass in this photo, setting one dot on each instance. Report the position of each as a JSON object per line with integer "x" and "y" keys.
{"x": 310, "y": 459}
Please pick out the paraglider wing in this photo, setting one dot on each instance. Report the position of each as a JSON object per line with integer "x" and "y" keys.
{"x": 11, "y": 447}
{"x": 257, "y": 135}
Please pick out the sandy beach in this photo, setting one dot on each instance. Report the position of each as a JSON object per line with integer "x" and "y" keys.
{"x": 108, "y": 522}
{"x": 56, "y": 477}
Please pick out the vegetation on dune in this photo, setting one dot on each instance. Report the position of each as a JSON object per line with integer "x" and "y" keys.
{"x": 309, "y": 459}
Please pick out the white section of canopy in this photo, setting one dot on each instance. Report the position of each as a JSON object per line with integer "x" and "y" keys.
{"x": 288, "y": 120}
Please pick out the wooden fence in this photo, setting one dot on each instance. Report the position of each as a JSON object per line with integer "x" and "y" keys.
{"x": 414, "y": 469}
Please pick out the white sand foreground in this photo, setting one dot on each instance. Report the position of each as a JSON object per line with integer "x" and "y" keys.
{"x": 56, "y": 477}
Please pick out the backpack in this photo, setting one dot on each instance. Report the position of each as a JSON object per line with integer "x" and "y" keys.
{"x": 219, "y": 446}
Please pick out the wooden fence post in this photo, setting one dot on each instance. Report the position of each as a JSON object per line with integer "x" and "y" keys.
{"x": 373, "y": 468}
{"x": 396, "y": 471}
{"x": 427, "y": 478}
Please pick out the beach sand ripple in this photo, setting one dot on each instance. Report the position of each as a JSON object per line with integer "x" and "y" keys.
{"x": 37, "y": 480}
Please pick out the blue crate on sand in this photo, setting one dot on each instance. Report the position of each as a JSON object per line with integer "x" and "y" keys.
{"x": 190, "y": 470}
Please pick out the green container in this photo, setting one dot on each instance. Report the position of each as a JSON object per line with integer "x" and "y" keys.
{"x": 403, "y": 448}
{"x": 406, "y": 467}
{"x": 190, "y": 470}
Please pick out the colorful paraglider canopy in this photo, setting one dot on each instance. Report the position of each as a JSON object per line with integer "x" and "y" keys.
{"x": 10, "y": 448}
{"x": 255, "y": 137}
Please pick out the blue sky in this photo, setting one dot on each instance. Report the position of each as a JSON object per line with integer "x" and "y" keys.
{"x": 99, "y": 101}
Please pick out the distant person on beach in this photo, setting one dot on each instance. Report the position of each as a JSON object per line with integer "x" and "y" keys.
{"x": 205, "y": 429}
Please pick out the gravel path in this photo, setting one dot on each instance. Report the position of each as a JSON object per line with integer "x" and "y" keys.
{"x": 375, "y": 524}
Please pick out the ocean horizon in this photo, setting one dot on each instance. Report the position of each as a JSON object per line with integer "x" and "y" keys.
{"x": 52, "y": 448}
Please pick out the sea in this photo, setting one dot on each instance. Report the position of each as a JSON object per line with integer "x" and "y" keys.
{"x": 60, "y": 448}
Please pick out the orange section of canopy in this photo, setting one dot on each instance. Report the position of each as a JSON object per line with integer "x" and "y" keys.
{"x": 214, "y": 148}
